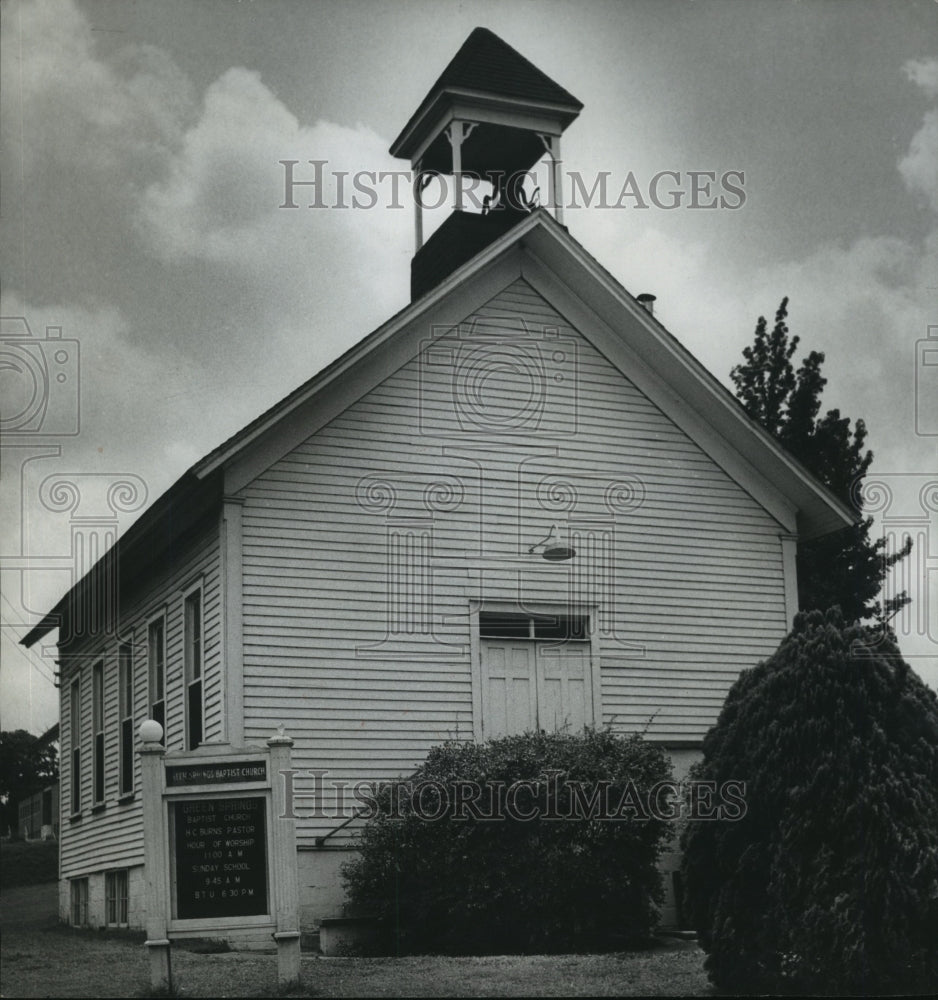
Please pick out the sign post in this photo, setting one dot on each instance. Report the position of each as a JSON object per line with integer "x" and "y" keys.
{"x": 287, "y": 934}
{"x": 220, "y": 853}
{"x": 157, "y": 942}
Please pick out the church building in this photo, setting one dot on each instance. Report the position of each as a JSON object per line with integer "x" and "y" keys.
{"x": 518, "y": 504}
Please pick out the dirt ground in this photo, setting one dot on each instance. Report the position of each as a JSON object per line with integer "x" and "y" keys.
{"x": 41, "y": 958}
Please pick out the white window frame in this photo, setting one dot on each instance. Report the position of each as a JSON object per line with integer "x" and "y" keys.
{"x": 98, "y": 761}
{"x": 157, "y": 671}
{"x": 589, "y": 611}
{"x": 74, "y": 736}
{"x": 190, "y": 660}
{"x": 125, "y": 719}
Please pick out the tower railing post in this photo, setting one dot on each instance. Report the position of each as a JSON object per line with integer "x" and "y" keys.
{"x": 455, "y": 135}
{"x": 551, "y": 145}
{"x": 418, "y": 207}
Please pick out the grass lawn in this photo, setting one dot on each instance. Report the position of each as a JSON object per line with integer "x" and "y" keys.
{"x": 28, "y": 862}
{"x": 42, "y": 958}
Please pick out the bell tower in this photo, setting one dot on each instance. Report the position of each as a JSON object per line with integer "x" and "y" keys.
{"x": 491, "y": 116}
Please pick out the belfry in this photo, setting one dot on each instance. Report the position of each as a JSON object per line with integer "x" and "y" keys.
{"x": 490, "y": 117}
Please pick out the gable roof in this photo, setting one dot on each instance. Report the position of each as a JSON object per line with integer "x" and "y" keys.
{"x": 562, "y": 270}
{"x": 550, "y": 251}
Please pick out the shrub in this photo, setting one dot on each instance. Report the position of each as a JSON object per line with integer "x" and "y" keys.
{"x": 467, "y": 884}
{"x": 830, "y": 882}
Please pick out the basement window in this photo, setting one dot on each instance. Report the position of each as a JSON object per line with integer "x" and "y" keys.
{"x": 78, "y": 890}
{"x": 115, "y": 898}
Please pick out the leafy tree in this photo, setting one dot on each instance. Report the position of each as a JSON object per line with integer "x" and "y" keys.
{"x": 845, "y": 568}
{"x": 829, "y": 883}
{"x": 27, "y": 762}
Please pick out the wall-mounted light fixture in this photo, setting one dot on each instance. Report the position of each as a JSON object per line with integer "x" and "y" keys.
{"x": 555, "y": 552}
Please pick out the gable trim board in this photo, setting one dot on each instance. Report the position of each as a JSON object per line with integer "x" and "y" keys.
{"x": 716, "y": 413}
{"x": 790, "y": 571}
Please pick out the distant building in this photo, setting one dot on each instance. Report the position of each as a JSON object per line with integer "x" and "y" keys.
{"x": 520, "y": 503}
{"x": 39, "y": 814}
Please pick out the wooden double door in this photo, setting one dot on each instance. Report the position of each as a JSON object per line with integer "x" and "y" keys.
{"x": 531, "y": 685}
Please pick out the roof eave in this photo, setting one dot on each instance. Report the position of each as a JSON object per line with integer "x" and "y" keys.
{"x": 432, "y": 109}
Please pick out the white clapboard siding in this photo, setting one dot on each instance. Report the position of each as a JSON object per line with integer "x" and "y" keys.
{"x": 336, "y": 640}
{"x": 112, "y": 837}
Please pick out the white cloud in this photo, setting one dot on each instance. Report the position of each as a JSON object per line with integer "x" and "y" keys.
{"x": 919, "y": 166}
{"x": 923, "y": 73}
{"x": 221, "y": 187}
{"x": 259, "y": 312}
{"x": 121, "y": 383}
{"x": 75, "y": 108}
{"x": 315, "y": 279}
{"x": 220, "y": 200}
{"x": 863, "y": 305}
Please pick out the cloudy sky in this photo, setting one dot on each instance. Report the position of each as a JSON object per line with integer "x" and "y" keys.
{"x": 140, "y": 216}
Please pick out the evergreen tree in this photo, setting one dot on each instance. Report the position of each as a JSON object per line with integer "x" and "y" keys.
{"x": 829, "y": 882}
{"x": 845, "y": 568}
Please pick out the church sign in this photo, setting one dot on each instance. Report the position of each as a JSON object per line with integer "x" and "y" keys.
{"x": 219, "y": 857}
{"x": 220, "y": 848}
{"x": 215, "y": 774}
